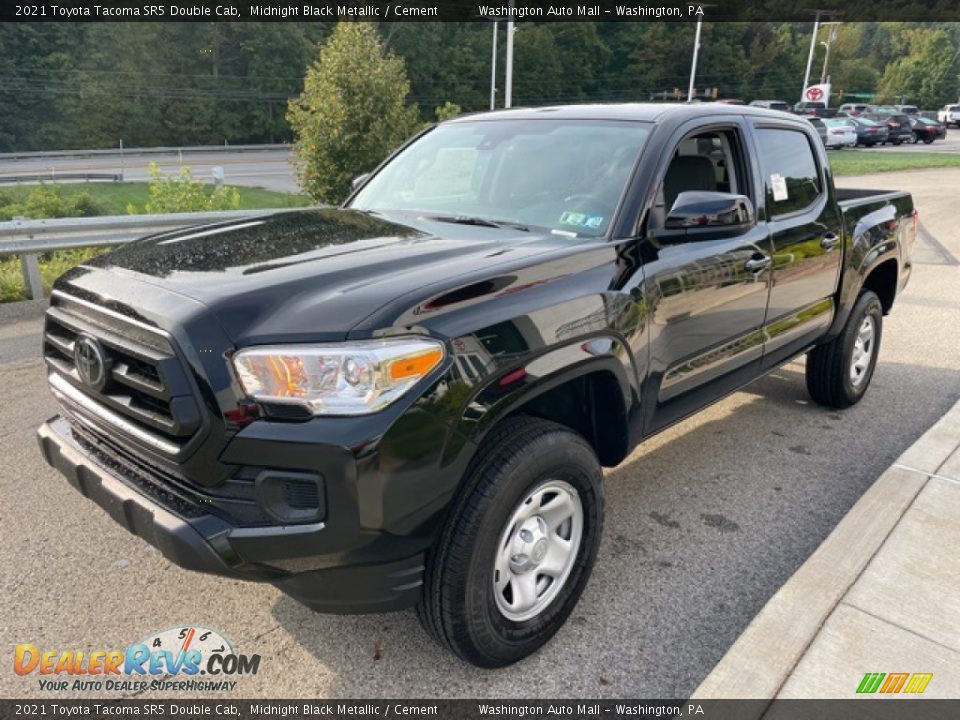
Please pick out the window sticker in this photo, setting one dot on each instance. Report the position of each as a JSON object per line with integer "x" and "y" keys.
{"x": 583, "y": 220}
{"x": 779, "y": 185}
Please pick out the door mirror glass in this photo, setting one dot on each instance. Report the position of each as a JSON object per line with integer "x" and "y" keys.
{"x": 701, "y": 209}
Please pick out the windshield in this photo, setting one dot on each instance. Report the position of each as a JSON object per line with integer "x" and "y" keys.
{"x": 565, "y": 175}
{"x": 837, "y": 124}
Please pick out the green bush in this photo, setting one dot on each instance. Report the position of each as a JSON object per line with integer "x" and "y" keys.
{"x": 44, "y": 202}
{"x": 181, "y": 193}
{"x": 447, "y": 111}
{"x": 52, "y": 266}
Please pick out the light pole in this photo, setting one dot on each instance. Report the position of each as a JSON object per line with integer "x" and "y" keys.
{"x": 826, "y": 55}
{"x": 693, "y": 66}
{"x": 508, "y": 85}
{"x": 493, "y": 68}
{"x": 813, "y": 46}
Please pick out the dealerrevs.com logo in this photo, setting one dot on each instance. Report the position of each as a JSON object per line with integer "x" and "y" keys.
{"x": 185, "y": 658}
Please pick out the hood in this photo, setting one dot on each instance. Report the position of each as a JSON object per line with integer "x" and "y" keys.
{"x": 313, "y": 274}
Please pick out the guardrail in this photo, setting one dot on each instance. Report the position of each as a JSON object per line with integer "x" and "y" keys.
{"x": 129, "y": 152}
{"x": 30, "y": 238}
{"x": 53, "y": 176}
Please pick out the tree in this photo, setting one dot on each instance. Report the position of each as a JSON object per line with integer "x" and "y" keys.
{"x": 352, "y": 111}
{"x": 927, "y": 74}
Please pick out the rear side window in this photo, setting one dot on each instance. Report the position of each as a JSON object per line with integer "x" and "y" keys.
{"x": 790, "y": 176}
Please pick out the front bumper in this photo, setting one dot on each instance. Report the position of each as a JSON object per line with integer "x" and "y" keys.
{"x": 205, "y": 543}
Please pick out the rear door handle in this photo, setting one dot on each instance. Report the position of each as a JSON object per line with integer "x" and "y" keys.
{"x": 829, "y": 241}
{"x": 757, "y": 264}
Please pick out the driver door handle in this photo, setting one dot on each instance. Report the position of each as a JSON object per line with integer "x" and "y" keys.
{"x": 757, "y": 264}
{"x": 829, "y": 241}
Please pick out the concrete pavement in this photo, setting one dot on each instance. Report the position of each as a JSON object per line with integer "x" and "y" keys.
{"x": 880, "y": 595}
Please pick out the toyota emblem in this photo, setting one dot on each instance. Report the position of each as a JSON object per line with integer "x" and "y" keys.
{"x": 90, "y": 362}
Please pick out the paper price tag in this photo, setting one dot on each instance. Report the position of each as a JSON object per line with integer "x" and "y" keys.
{"x": 779, "y": 185}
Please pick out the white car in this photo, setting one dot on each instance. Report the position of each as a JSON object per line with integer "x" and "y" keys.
{"x": 840, "y": 133}
{"x": 950, "y": 115}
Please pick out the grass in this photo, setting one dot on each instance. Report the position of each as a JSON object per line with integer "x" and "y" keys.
{"x": 115, "y": 197}
{"x": 111, "y": 199}
{"x": 862, "y": 162}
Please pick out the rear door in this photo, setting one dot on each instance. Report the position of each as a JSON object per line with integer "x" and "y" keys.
{"x": 805, "y": 227}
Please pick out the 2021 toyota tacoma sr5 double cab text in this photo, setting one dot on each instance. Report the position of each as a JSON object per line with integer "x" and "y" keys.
{"x": 407, "y": 401}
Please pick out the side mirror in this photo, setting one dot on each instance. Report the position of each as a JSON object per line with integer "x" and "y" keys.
{"x": 699, "y": 209}
{"x": 358, "y": 181}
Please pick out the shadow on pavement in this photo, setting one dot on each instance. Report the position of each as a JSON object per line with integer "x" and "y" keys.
{"x": 704, "y": 523}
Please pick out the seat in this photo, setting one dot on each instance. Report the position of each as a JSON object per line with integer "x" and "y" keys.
{"x": 688, "y": 172}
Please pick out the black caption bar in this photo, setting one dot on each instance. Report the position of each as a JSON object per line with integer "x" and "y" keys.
{"x": 879, "y": 709}
{"x": 479, "y": 10}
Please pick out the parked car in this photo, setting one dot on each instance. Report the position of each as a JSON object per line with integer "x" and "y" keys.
{"x": 820, "y": 127}
{"x": 870, "y": 132}
{"x": 408, "y": 400}
{"x": 841, "y": 133}
{"x": 854, "y": 109}
{"x": 927, "y": 130}
{"x": 814, "y": 109}
{"x": 898, "y": 127}
{"x": 949, "y": 115}
{"x": 730, "y": 101}
{"x": 771, "y": 105}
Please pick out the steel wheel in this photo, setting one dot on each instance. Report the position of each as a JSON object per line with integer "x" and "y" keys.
{"x": 863, "y": 348}
{"x": 537, "y": 550}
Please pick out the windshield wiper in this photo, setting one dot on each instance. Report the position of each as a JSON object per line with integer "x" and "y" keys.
{"x": 478, "y": 221}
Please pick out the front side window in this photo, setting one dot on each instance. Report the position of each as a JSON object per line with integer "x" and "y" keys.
{"x": 790, "y": 176}
{"x": 564, "y": 175}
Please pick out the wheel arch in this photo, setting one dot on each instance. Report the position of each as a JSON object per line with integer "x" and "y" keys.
{"x": 592, "y": 395}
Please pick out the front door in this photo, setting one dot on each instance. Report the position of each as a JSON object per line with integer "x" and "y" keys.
{"x": 706, "y": 292}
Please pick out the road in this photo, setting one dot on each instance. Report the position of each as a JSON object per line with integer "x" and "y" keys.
{"x": 269, "y": 169}
{"x": 705, "y": 523}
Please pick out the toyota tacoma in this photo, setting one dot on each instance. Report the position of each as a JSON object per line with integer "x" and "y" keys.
{"x": 407, "y": 401}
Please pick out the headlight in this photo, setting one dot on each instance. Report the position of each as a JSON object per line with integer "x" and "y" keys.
{"x": 343, "y": 379}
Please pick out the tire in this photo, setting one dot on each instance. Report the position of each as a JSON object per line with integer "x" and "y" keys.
{"x": 896, "y": 142}
{"x": 913, "y": 138}
{"x": 832, "y": 377}
{"x": 927, "y": 141}
{"x": 459, "y": 607}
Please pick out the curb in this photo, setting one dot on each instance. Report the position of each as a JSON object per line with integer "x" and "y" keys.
{"x": 762, "y": 658}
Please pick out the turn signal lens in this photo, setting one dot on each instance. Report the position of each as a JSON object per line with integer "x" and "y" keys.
{"x": 349, "y": 379}
{"x": 415, "y": 365}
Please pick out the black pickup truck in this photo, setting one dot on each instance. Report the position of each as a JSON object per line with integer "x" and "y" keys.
{"x": 408, "y": 400}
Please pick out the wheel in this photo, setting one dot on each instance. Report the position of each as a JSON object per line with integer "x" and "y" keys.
{"x": 913, "y": 138}
{"x": 927, "y": 140}
{"x": 518, "y": 545}
{"x": 839, "y": 371}
{"x": 896, "y": 142}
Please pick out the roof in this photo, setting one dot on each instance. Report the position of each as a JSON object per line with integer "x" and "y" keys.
{"x": 645, "y": 112}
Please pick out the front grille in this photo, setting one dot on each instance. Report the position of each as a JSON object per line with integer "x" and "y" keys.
{"x": 233, "y": 501}
{"x": 145, "y": 394}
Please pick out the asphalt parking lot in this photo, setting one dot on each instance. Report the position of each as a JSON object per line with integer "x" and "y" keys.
{"x": 950, "y": 144}
{"x": 705, "y": 523}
